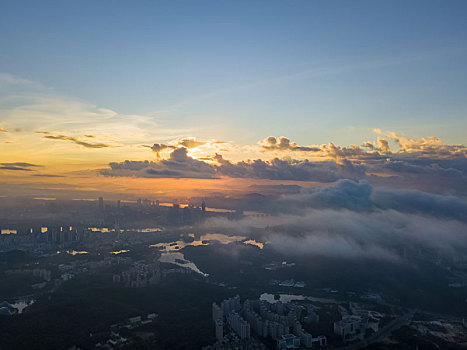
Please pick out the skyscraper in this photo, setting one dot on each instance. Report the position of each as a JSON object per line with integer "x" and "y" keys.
{"x": 220, "y": 330}
{"x": 203, "y": 207}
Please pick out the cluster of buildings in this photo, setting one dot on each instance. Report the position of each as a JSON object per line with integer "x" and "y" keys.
{"x": 275, "y": 265}
{"x": 139, "y": 275}
{"x": 92, "y": 266}
{"x": 186, "y": 215}
{"x": 144, "y": 203}
{"x": 175, "y": 214}
{"x": 116, "y": 339}
{"x": 239, "y": 325}
{"x": 37, "y": 237}
{"x": 355, "y": 324}
{"x": 233, "y": 342}
{"x": 135, "y": 321}
{"x": 67, "y": 271}
{"x": 32, "y": 238}
{"x": 278, "y": 321}
{"x": 45, "y": 274}
{"x": 288, "y": 283}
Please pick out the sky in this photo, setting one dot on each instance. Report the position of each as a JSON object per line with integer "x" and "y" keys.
{"x": 198, "y": 87}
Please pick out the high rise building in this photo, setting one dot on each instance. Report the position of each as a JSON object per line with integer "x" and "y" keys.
{"x": 203, "y": 207}
{"x": 216, "y": 312}
{"x": 101, "y": 203}
{"x": 220, "y": 330}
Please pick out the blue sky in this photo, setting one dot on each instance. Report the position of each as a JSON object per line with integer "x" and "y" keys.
{"x": 315, "y": 71}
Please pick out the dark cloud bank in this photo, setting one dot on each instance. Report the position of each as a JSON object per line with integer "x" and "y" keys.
{"x": 401, "y": 170}
{"x": 180, "y": 165}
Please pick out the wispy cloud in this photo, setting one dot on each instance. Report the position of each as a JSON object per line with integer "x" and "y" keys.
{"x": 21, "y": 164}
{"x": 8, "y": 167}
{"x": 18, "y": 166}
{"x": 77, "y": 141}
{"x": 323, "y": 71}
{"x": 10, "y": 81}
{"x": 30, "y": 106}
{"x": 48, "y": 175}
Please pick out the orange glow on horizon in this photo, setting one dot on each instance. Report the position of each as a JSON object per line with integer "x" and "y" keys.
{"x": 85, "y": 186}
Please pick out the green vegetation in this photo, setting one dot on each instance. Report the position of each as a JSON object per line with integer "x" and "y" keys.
{"x": 90, "y": 304}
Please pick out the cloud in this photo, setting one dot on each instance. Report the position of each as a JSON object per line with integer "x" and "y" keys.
{"x": 377, "y": 131}
{"x": 3, "y": 130}
{"x": 430, "y": 147}
{"x": 190, "y": 143}
{"x": 385, "y": 235}
{"x": 274, "y": 169}
{"x": 362, "y": 196}
{"x": 76, "y": 140}
{"x": 9, "y": 83}
{"x": 382, "y": 145}
{"x": 179, "y": 165}
{"x": 410, "y": 166}
{"x": 369, "y": 145}
{"x": 10, "y": 167}
{"x": 297, "y": 170}
{"x": 447, "y": 176}
{"x": 30, "y": 106}
{"x": 412, "y": 201}
{"x": 21, "y": 164}
{"x": 425, "y": 164}
{"x": 283, "y": 144}
{"x": 406, "y": 173}
{"x": 353, "y": 220}
{"x": 344, "y": 194}
{"x": 327, "y": 152}
{"x": 18, "y": 166}
{"x": 47, "y": 175}
{"x": 353, "y": 152}
{"x": 159, "y": 147}
{"x": 187, "y": 143}
{"x": 377, "y": 235}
